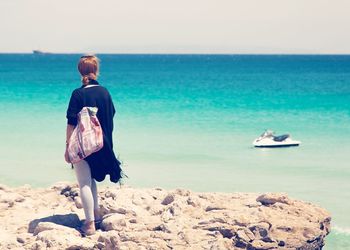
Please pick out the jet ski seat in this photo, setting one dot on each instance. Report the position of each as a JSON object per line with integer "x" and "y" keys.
{"x": 280, "y": 138}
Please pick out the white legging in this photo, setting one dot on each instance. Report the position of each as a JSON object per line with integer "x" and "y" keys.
{"x": 88, "y": 189}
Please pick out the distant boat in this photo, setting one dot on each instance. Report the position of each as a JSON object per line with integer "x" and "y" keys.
{"x": 39, "y": 52}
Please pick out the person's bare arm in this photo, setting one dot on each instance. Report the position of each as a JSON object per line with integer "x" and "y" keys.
{"x": 69, "y": 132}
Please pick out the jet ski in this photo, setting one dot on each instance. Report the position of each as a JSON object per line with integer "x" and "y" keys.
{"x": 269, "y": 140}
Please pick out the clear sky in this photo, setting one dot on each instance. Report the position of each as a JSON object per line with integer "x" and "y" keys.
{"x": 177, "y": 26}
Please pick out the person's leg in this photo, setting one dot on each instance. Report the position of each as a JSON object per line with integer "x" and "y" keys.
{"x": 95, "y": 197}
{"x": 83, "y": 173}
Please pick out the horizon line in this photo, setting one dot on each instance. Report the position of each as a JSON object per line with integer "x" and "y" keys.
{"x": 173, "y": 53}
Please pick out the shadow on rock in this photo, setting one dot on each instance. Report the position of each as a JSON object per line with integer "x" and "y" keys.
{"x": 68, "y": 220}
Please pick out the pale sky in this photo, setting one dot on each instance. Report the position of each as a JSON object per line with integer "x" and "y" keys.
{"x": 178, "y": 26}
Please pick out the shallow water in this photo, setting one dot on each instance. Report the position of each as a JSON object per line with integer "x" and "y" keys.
{"x": 189, "y": 121}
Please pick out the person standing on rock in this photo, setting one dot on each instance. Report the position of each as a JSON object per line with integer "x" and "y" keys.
{"x": 103, "y": 162}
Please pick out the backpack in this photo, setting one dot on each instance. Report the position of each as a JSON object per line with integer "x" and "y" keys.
{"x": 87, "y": 136}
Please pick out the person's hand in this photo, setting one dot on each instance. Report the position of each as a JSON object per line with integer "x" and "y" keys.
{"x": 66, "y": 157}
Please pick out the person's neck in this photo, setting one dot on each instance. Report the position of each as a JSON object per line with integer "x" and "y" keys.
{"x": 90, "y": 82}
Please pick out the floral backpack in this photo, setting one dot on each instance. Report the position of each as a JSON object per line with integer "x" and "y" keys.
{"x": 87, "y": 137}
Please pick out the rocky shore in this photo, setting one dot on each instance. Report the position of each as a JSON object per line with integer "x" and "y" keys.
{"x": 159, "y": 219}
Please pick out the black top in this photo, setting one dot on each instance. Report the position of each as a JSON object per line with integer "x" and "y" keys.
{"x": 102, "y": 162}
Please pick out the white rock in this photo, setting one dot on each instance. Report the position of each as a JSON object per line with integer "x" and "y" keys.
{"x": 57, "y": 239}
{"x": 45, "y": 226}
{"x": 113, "y": 222}
{"x": 110, "y": 240}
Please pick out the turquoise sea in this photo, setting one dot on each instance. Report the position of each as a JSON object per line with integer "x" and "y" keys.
{"x": 189, "y": 121}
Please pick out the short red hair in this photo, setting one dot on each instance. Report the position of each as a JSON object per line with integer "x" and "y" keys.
{"x": 88, "y": 67}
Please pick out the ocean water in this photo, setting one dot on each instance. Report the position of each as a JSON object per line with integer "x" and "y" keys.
{"x": 189, "y": 121}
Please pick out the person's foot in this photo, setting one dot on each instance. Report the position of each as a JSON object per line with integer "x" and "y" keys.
{"x": 98, "y": 219}
{"x": 88, "y": 228}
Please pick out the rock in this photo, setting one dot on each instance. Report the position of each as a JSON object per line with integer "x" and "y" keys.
{"x": 120, "y": 210}
{"x": 70, "y": 192}
{"x": 74, "y": 192}
{"x": 270, "y": 199}
{"x": 68, "y": 220}
{"x": 245, "y": 236}
{"x": 8, "y": 241}
{"x": 226, "y": 233}
{"x": 44, "y": 226}
{"x": 81, "y": 245}
{"x": 193, "y": 201}
{"x": 137, "y": 237}
{"x": 11, "y": 198}
{"x": 168, "y": 199}
{"x": 162, "y": 227}
{"x": 240, "y": 244}
{"x": 38, "y": 245}
{"x": 159, "y": 219}
{"x": 111, "y": 194}
{"x": 23, "y": 238}
{"x": 110, "y": 239}
{"x": 62, "y": 185}
{"x": 184, "y": 236}
{"x": 129, "y": 245}
{"x": 133, "y": 220}
{"x": 4, "y": 187}
{"x": 57, "y": 239}
{"x": 249, "y": 234}
{"x": 259, "y": 244}
{"x": 211, "y": 208}
{"x": 113, "y": 222}
{"x": 221, "y": 244}
{"x": 241, "y": 220}
{"x": 260, "y": 230}
{"x": 109, "y": 206}
{"x": 182, "y": 192}
{"x": 156, "y": 209}
{"x": 167, "y": 215}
